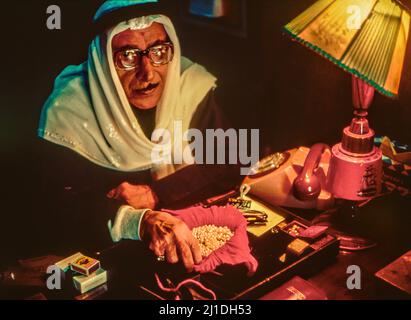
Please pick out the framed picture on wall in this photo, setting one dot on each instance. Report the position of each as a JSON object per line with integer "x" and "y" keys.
{"x": 229, "y": 16}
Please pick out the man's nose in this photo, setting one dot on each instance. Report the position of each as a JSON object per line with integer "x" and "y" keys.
{"x": 146, "y": 70}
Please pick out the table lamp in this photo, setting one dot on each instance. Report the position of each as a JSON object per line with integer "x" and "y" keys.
{"x": 368, "y": 39}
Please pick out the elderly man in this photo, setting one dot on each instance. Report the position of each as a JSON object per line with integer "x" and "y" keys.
{"x": 134, "y": 82}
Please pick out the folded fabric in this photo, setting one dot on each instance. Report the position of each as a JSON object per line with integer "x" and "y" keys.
{"x": 235, "y": 251}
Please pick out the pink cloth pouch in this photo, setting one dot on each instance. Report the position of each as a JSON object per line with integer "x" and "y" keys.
{"x": 235, "y": 251}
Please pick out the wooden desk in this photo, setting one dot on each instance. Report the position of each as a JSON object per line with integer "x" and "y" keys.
{"x": 390, "y": 221}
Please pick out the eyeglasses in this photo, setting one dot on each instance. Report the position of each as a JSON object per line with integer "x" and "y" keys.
{"x": 129, "y": 59}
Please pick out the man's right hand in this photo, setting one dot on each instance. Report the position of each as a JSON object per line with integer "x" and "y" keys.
{"x": 170, "y": 237}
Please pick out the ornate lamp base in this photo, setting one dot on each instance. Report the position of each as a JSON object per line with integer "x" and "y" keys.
{"x": 345, "y": 223}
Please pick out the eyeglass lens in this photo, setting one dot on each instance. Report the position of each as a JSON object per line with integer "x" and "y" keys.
{"x": 158, "y": 55}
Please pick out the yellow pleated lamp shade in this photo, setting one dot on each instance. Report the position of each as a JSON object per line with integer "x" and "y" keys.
{"x": 367, "y": 38}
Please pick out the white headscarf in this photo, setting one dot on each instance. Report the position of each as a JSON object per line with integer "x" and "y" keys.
{"x": 88, "y": 110}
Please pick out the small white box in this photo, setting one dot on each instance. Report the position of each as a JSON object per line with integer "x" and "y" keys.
{"x": 87, "y": 283}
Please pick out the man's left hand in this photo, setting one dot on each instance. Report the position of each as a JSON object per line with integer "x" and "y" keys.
{"x": 137, "y": 196}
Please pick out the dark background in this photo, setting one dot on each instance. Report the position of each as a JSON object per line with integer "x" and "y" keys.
{"x": 265, "y": 81}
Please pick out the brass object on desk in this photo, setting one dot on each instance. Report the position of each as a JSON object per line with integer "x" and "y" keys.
{"x": 297, "y": 247}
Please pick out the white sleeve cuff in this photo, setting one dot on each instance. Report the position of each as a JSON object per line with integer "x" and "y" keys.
{"x": 126, "y": 224}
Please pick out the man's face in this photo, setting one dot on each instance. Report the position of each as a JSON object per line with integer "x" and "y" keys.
{"x": 143, "y": 85}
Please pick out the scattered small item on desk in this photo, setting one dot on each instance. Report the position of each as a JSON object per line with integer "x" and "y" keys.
{"x": 297, "y": 247}
{"x": 85, "y": 265}
{"x": 220, "y": 198}
{"x": 239, "y": 203}
{"x": 282, "y": 225}
{"x": 64, "y": 265}
{"x": 211, "y": 237}
{"x": 323, "y": 241}
{"x": 313, "y": 232}
{"x": 255, "y": 217}
{"x": 294, "y": 228}
{"x": 86, "y": 283}
{"x": 296, "y": 289}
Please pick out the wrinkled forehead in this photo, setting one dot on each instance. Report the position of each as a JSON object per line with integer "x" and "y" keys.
{"x": 140, "y": 38}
